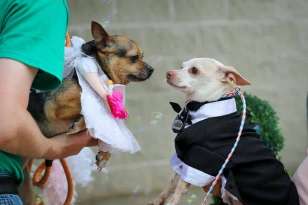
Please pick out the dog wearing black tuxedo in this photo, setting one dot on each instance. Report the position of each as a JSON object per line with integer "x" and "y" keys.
{"x": 206, "y": 130}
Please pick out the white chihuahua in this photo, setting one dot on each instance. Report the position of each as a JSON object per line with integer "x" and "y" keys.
{"x": 206, "y": 130}
{"x": 205, "y": 79}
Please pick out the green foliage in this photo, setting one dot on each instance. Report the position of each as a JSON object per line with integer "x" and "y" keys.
{"x": 263, "y": 115}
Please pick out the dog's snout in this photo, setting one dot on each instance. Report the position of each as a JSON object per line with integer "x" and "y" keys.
{"x": 150, "y": 69}
{"x": 143, "y": 74}
{"x": 169, "y": 75}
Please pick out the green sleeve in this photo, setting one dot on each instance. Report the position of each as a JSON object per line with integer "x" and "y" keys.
{"x": 33, "y": 32}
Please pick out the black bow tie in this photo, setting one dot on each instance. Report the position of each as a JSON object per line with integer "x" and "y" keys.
{"x": 191, "y": 106}
{"x": 194, "y": 105}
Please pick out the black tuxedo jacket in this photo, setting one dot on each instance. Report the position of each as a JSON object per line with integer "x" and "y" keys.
{"x": 254, "y": 175}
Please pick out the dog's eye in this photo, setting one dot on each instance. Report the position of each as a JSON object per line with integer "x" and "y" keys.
{"x": 121, "y": 52}
{"x": 134, "y": 58}
{"x": 194, "y": 70}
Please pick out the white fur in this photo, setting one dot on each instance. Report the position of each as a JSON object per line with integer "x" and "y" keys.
{"x": 207, "y": 85}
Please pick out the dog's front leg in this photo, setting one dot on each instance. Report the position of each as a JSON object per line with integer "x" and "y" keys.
{"x": 165, "y": 194}
{"x": 181, "y": 188}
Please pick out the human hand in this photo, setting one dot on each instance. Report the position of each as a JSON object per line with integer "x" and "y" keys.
{"x": 66, "y": 145}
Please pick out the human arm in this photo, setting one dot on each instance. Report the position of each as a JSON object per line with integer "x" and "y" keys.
{"x": 19, "y": 133}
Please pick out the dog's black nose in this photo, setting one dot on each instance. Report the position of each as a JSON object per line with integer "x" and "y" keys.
{"x": 149, "y": 69}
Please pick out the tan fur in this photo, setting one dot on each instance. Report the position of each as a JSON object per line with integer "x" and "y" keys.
{"x": 65, "y": 105}
{"x": 120, "y": 67}
{"x": 167, "y": 192}
{"x": 180, "y": 189}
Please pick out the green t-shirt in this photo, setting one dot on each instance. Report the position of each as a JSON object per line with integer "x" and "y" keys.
{"x": 33, "y": 32}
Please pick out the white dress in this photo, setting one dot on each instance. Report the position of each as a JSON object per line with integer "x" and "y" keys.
{"x": 112, "y": 133}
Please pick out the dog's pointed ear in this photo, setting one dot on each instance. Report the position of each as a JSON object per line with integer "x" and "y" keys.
{"x": 98, "y": 32}
{"x": 232, "y": 75}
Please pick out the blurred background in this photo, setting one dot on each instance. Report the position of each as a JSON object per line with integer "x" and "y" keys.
{"x": 266, "y": 40}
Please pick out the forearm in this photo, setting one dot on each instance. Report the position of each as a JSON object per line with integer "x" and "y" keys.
{"x": 19, "y": 133}
{"x": 24, "y": 137}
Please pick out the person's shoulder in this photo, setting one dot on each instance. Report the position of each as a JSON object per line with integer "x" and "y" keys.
{"x": 42, "y": 8}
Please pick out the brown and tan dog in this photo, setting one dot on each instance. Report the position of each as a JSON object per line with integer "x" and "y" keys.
{"x": 58, "y": 111}
{"x": 119, "y": 57}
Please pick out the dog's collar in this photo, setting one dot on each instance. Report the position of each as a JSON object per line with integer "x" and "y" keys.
{"x": 194, "y": 105}
{"x": 194, "y": 111}
{"x": 213, "y": 109}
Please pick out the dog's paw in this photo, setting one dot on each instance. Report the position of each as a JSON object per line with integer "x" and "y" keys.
{"x": 101, "y": 160}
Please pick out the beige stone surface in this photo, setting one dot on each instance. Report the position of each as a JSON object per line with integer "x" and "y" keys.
{"x": 267, "y": 40}
{"x": 252, "y": 10}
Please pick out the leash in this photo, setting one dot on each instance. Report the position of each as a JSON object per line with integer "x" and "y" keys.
{"x": 237, "y": 92}
{"x": 39, "y": 179}
{"x": 42, "y": 172}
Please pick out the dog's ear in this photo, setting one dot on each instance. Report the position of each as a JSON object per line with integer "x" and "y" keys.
{"x": 232, "y": 75}
{"x": 89, "y": 48}
{"x": 98, "y": 32}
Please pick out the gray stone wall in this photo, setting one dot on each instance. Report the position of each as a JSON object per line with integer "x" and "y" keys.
{"x": 267, "y": 40}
